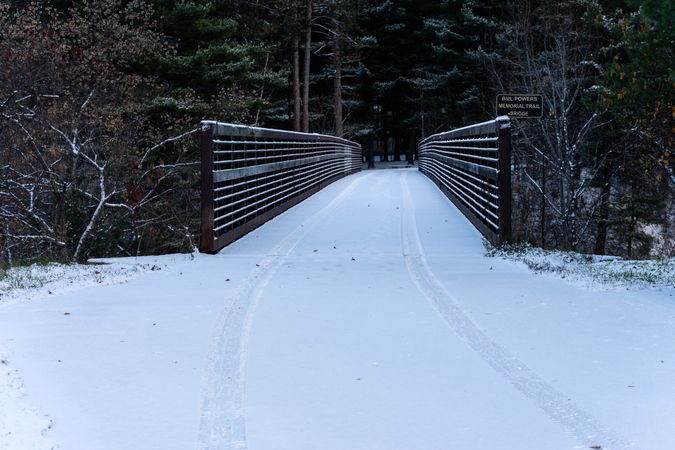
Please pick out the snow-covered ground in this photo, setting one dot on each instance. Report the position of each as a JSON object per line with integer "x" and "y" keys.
{"x": 367, "y": 317}
{"x": 599, "y": 272}
{"x": 38, "y": 281}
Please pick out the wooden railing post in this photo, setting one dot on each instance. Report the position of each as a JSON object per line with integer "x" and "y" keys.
{"x": 207, "y": 243}
{"x": 504, "y": 177}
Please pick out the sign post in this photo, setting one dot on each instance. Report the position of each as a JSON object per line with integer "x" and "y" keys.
{"x": 520, "y": 106}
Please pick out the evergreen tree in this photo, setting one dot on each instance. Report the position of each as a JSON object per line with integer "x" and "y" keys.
{"x": 637, "y": 90}
{"x": 209, "y": 73}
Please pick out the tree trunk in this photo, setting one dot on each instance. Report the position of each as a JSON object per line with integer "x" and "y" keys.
{"x": 308, "y": 55}
{"x": 542, "y": 219}
{"x": 385, "y": 145}
{"x": 4, "y": 245}
{"x": 337, "y": 82}
{"x": 61, "y": 226}
{"x": 603, "y": 220}
{"x": 296, "y": 83}
{"x": 411, "y": 149}
{"x": 605, "y": 178}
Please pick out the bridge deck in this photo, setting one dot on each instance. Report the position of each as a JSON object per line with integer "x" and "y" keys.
{"x": 367, "y": 317}
{"x": 347, "y": 352}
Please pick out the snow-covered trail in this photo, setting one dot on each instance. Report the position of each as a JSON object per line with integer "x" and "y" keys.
{"x": 367, "y": 317}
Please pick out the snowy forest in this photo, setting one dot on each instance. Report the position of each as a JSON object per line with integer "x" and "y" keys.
{"x": 100, "y": 103}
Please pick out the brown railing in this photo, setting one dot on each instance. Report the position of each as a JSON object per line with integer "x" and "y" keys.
{"x": 472, "y": 166}
{"x": 250, "y": 175}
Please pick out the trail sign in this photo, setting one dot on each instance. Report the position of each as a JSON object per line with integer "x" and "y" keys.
{"x": 518, "y": 106}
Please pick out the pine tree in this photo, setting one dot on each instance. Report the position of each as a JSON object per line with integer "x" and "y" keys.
{"x": 209, "y": 73}
{"x": 637, "y": 91}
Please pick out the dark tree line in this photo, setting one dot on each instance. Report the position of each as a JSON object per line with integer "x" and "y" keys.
{"x": 100, "y": 101}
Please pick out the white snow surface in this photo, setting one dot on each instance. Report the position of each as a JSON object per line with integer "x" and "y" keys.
{"x": 368, "y": 317}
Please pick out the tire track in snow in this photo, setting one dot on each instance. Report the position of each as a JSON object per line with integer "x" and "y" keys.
{"x": 579, "y": 424}
{"x": 223, "y": 421}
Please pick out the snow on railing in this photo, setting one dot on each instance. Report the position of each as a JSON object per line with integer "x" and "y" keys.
{"x": 472, "y": 166}
{"x": 250, "y": 175}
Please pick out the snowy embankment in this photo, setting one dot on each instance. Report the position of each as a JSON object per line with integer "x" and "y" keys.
{"x": 21, "y": 284}
{"x": 22, "y": 426}
{"x": 591, "y": 271}
{"x": 366, "y": 318}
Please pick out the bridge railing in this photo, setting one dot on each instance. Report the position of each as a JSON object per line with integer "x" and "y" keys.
{"x": 472, "y": 166}
{"x": 250, "y": 175}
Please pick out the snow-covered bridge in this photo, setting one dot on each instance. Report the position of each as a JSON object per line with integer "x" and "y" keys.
{"x": 249, "y": 175}
{"x": 366, "y": 317}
